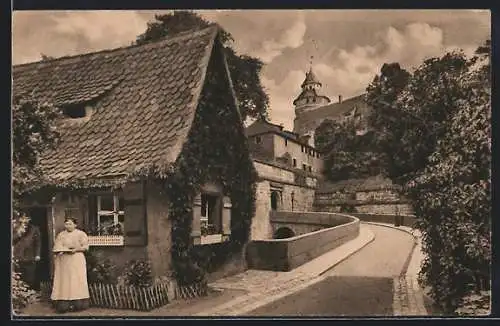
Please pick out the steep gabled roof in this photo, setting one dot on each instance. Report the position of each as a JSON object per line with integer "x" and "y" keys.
{"x": 144, "y": 99}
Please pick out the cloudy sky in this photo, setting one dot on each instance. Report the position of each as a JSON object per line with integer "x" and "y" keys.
{"x": 349, "y": 46}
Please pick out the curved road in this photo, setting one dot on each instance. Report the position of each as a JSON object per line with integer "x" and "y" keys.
{"x": 361, "y": 285}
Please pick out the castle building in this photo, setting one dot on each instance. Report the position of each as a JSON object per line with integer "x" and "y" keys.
{"x": 312, "y": 108}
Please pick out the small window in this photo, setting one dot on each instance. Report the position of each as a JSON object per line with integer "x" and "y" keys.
{"x": 74, "y": 112}
{"x": 304, "y": 167}
{"x": 211, "y": 215}
{"x": 302, "y": 149}
{"x": 294, "y": 163}
{"x": 258, "y": 140}
{"x": 310, "y": 168}
{"x": 110, "y": 215}
{"x": 286, "y": 142}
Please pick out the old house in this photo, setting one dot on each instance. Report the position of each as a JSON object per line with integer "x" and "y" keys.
{"x": 288, "y": 171}
{"x": 153, "y": 157}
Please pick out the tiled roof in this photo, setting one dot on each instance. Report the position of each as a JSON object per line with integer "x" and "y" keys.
{"x": 261, "y": 127}
{"x": 143, "y": 97}
{"x": 334, "y": 110}
{"x": 309, "y": 93}
{"x": 310, "y": 78}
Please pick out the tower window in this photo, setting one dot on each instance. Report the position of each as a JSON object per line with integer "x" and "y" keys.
{"x": 258, "y": 140}
{"x": 304, "y": 167}
{"x": 294, "y": 163}
{"x": 286, "y": 142}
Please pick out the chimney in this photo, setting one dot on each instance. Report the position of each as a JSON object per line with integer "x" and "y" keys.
{"x": 340, "y": 98}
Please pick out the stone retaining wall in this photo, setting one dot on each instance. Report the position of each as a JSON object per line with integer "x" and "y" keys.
{"x": 287, "y": 254}
{"x": 404, "y": 220}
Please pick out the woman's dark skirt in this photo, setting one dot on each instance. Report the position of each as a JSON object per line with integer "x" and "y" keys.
{"x": 62, "y": 306}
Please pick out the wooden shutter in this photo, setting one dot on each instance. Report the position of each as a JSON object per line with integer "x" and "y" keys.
{"x": 196, "y": 223}
{"x": 135, "y": 227}
{"x": 226, "y": 216}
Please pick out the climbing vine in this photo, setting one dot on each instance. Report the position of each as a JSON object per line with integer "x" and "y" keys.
{"x": 216, "y": 151}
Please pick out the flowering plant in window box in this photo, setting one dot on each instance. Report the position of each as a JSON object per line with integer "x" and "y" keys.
{"x": 109, "y": 229}
{"x": 107, "y": 235}
{"x": 206, "y": 229}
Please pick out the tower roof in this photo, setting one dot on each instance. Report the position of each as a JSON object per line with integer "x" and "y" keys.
{"x": 310, "y": 78}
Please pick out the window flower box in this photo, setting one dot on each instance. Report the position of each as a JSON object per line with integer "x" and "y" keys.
{"x": 211, "y": 238}
{"x": 105, "y": 240}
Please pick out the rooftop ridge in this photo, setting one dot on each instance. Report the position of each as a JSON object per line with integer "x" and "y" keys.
{"x": 166, "y": 39}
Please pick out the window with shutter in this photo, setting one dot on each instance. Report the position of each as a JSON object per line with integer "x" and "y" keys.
{"x": 135, "y": 215}
{"x": 211, "y": 217}
{"x": 105, "y": 223}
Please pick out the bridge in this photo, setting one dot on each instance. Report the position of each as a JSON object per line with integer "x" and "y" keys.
{"x": 299, "y": 237}
{"x": 290, "y": 224}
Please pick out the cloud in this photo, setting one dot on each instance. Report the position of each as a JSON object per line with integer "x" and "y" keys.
{"x": 348, "y": 72}
{"x": 72, "y": 32}
{"x": 291, "y": 38}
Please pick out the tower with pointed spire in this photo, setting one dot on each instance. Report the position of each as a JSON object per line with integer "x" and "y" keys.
{"x": 310, "y": 97}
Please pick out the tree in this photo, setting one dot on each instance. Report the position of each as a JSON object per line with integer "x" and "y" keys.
{"x": 346, "y": 154}
{"x": 440, "y": 149}
{"x": 244, "y": 70}
{"x": 415, "y": 114}
{"x": 384, "y": 120}
{"x": 453, "y": 203}
{"x": 33, "y": 131}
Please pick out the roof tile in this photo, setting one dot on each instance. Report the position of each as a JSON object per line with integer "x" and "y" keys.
{"x": 143, "y": 97}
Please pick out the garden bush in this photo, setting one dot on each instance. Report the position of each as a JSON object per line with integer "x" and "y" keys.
{"x": 22, "y": 294}
{"x": 138, "y": 273}
{"x": 99, "y": 270}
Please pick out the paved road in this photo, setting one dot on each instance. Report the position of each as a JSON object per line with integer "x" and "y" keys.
{"x": 362, "y": 285}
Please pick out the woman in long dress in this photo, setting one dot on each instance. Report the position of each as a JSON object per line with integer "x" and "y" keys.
{"x": 70, "y": 289}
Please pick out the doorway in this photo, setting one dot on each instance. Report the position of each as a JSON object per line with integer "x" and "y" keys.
{"x": 275, "y": 198}
{"x": 39, "y": 218}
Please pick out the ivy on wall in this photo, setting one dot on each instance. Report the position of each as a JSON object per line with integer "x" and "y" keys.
{"x": 216, "y": 151}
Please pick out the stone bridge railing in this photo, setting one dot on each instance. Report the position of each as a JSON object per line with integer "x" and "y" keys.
{"x": 289, "y": 253}
{"x": 304, "y": 222}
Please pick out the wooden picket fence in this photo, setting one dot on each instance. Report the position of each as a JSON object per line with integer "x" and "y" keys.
{"x": 115, "y": 296}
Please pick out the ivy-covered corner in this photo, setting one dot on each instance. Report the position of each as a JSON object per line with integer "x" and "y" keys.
{"x": 216, "y": 151}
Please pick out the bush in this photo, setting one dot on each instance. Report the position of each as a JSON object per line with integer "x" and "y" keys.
{"x": 99, "y": 271}
{"x": 22, "y": 294}
{"x": 138, "y": 273}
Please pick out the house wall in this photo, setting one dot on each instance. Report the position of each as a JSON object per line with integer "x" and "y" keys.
{"x": 159, "y": 230}
{"x": 264, "y": 149}
{"x": 298, "y": 152}
{"x": 118, "y": 256}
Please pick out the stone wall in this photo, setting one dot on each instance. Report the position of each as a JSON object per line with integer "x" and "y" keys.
{"x": 405, "y": 220}
{"x": 287, "y": 254}
{"x": 261, "y": 226}
{"x": 305, "y": 222}
{"x": 284, "y": 182}
{"x": 377, "y": 201}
